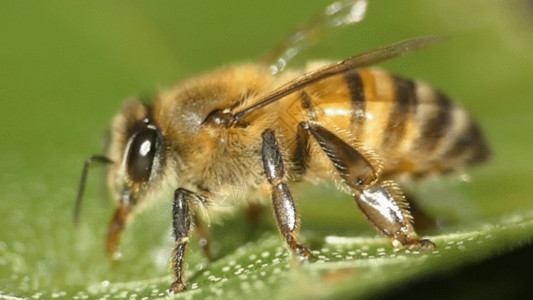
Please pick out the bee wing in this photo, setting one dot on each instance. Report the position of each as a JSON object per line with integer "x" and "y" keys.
{"x": 336, "y": 15}
{"x": 360, "y": 60}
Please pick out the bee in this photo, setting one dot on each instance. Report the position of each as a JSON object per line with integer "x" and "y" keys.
{"x": 245, "y": 127}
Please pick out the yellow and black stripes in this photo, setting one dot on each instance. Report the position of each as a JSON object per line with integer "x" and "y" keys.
{"x": 357, "y": 94}
{"x": 448, "y": 136}
{"x": 401, "y": 113}
{"x": 435, "y": 121}
{"x": 464, "y": 142}
{"x": 406, "y": 122}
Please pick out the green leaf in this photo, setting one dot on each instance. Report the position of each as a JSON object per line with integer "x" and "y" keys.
{"x": 67, "y": 67}
{"x": 343, "y": 266}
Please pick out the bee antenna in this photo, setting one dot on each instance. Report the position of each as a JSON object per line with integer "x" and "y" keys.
{"x": 81, "y": 188}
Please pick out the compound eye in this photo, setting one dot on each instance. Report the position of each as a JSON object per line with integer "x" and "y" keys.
{"x": 141, "y": 154}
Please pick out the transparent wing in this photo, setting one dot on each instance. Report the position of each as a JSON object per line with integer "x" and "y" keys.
{"x": 337, "y": 14}
{"x": 361, "y": 60}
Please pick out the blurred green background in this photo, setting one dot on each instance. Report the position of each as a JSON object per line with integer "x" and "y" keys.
{"x": 66, "y": 67}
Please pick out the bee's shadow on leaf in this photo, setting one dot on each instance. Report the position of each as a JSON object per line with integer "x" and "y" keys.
{"x": 245, "y": 227}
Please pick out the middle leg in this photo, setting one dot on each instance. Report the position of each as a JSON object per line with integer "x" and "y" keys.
{"x": 282, "y": 199}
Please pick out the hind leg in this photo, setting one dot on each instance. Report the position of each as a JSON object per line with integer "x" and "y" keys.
{"x": 382, "y": 202}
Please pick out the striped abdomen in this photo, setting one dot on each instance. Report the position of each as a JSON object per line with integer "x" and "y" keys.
{"x": 413, "y": 127}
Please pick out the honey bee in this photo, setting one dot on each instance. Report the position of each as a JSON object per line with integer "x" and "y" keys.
{"x": 249, "y": 128}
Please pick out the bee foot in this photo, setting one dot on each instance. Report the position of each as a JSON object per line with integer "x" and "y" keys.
{"x": 426, "y": 244}
{"x": 419, "y": 245}
{"x": 115, "y": 255}
{"x": 177, "y": 287}
{"x": 303, "y": 252}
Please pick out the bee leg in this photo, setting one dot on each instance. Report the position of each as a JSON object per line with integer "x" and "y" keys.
{"x": 204, "y": 237}
{"x": 181, "y": 225}
{"x": 116, "y": 225}
{"x": 282, "y": 200}
{"x": 385, "y": 207}
{"x": 382, "y": 203}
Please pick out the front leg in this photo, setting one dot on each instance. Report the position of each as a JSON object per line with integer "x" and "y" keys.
{"x": 116, "y": 226}
{"x": 181, "y": 225}
{"x": 282, "y": 200}
{"x": 382, "y": 203}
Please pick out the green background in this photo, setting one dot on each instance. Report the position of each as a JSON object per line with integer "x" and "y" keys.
{"x": 66, "y": 67}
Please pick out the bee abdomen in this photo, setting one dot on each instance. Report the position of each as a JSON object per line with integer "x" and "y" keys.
{"x": 400, "y": 123}
{"x": 404, "y": 120}
{"x": 448, "y": 136}
{"x": 383, "y": 109}
{"x": 464, "y": 142}
{"x": 354, "y": 82}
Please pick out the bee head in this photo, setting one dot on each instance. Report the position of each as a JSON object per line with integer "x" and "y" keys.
{"x": 136, "y": 155}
